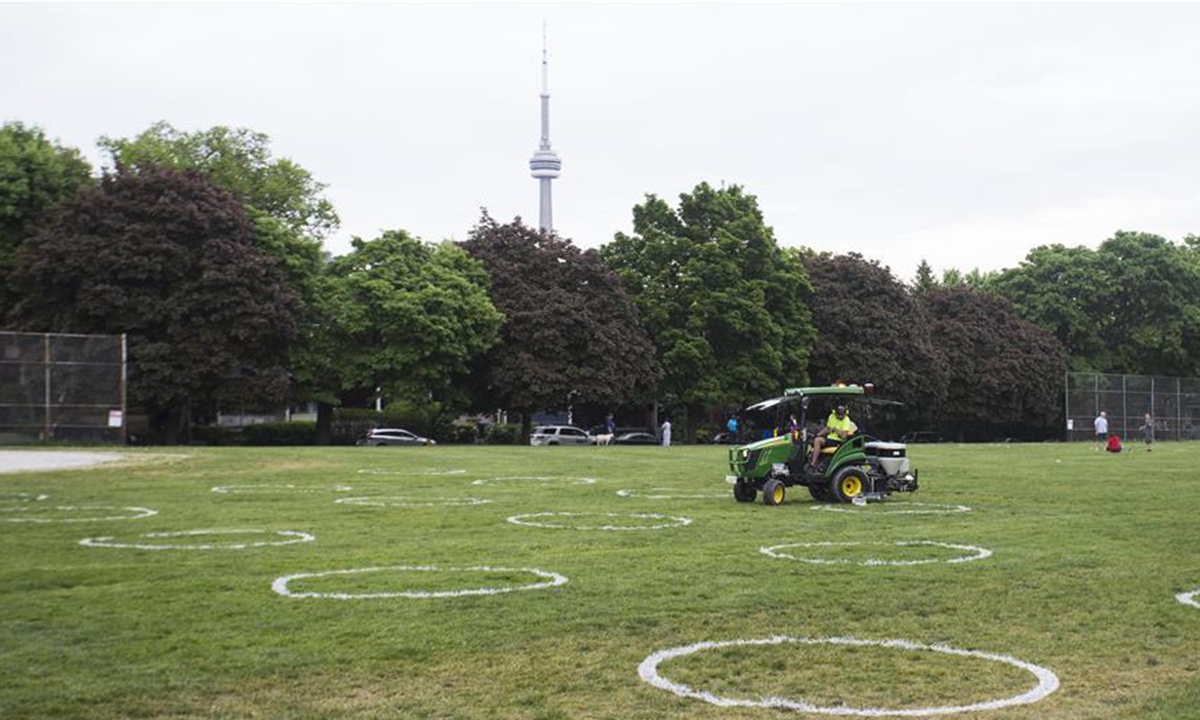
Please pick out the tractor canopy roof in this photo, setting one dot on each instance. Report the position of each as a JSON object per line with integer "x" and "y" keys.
{"x": 794, "y": 394}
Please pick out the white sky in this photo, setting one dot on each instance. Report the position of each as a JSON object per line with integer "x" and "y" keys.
{"x": 962, "y": 133}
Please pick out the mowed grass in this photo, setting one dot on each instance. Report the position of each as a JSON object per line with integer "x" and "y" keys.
{"x": 1089, "y": 552}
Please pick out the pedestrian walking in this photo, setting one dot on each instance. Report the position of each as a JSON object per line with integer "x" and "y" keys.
{"x": 1147, "y": 429}
{"x": 666, "y": 433}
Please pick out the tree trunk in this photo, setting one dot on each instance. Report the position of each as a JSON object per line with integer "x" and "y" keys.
{"x": 693, "y": 413}
{"x": 526, "y": 427}
{"x": 324, "y": 423}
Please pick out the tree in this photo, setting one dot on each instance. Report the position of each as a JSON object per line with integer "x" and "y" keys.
{"x": 1005, "y": 373}
{"x": 239, "y": 160}
{"x": 570, "y": 331}
{"x": 925, "y": 279}
{"x": 726, "y": 307}
{"x": 870, "y": 329}
{"x": 35, "y": 175}
{"x": 171, "y": 259}
{"x": 1130, "y": 306}
{"x": 407, "y": 317}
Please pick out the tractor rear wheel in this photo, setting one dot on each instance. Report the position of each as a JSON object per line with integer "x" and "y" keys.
{"x": 744, "y": 492}
{"x": 773, "y": 493}
{"x": 848, "y": 484}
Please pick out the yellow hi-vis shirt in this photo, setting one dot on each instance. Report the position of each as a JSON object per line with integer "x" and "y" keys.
{"x": 845, "y": 424}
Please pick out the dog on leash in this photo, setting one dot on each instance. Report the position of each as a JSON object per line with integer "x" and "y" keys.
{"x": 605, "y": 439}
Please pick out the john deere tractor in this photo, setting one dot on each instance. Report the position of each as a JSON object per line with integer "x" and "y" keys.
{"x": 859, "y": 469}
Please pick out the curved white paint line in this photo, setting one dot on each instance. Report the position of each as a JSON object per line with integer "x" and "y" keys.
{"x": 552, "y": 579}
{"x": 282, "y": 489}
{"x": 400, "y": 501}
{"x": 294, "y": 535}
{"x": 432, "y": 472}
{"x": 24, "y": 496}
{"x": 138, "y": 513}
{"x": 1189, "y": 598}
{"x": 1047, "y": 681}
{"x": 937, "y": 509}
{"x": 973, "y": 553}
{"x": 545, "y": 479}
{"x": 675, "y": 521}
{"x": 658, "y": 494}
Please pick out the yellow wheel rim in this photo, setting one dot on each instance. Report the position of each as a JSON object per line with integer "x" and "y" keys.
{"x": 778, "y": 495}
{"x": 851, "y": 486}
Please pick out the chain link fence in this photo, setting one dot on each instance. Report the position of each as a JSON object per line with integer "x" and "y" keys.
{"x": 1173, "y": 403}
{"x": 62, "y": 387}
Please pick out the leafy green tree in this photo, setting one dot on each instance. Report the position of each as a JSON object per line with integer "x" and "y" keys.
{"x": 172, "y": 260}
{"x": 35, "y": 175}
{"x": 726, "y": 307}
{"x": 871, "y": 329}
{"x": 407, "y": 317}
{"x": 240, "y": 161}
{"x": 925, "y": 279}
{"x": 570, "y": 328}
{"x": 1004, "y": 373}
{"x": 1130, "y": 306}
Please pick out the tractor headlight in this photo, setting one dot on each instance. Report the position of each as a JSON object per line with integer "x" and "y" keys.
{"x": 743, "y": 453}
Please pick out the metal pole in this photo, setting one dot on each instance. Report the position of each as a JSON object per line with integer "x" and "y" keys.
{"x": 46, "y": 427}
{"x": 1178, "y": 409}
{"x": 1124, "y": 410}
{"x": 1067, "y": 404}
{"x": 1153, "y": 413}
{"x": 124, "y": 380}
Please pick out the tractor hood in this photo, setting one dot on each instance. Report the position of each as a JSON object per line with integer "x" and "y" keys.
{"x": 766, "y": 443}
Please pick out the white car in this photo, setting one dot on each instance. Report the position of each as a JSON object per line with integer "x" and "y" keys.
{"x": 558, "y": 435}
{"x": 393, "y": 436}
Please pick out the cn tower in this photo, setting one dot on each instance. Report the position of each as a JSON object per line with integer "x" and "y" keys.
{"x": 545, "y": 165}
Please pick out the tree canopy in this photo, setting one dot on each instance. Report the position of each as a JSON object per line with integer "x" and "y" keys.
{"x": 239, "y": 160}
{"x": 407, "y": 317}
{"x": 1004, "y": 373}
{"x": 171, "y": 259}
{"x": 570, "y": 327}
{"x": 871, "y": 329}
{"x": 726, "y": 307}
{"x": 35, "y": 175}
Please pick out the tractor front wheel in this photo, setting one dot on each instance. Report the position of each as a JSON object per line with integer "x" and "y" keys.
{"x": 744, "y": 492}
{"x": 848, "y": 484}
{"x": 773, "y": 493}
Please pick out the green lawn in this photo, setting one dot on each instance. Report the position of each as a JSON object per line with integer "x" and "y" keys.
{"x": 1089, "y": 551}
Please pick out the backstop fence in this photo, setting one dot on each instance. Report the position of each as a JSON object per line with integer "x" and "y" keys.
{"x": 62, "y": 387}
{"x": 1173, "y": 403}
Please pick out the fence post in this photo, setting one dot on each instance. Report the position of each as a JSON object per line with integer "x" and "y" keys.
{"x": 1124, "y": 409}
{"x": 124, "y": 379}
{"x": 1067, "y": 405}
{"x": 46, "y": 426}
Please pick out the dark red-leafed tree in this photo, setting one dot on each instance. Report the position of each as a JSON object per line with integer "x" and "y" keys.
{"x": 170, "y": 259}
{"x": 1005, "y": 373}
{"x": 871, "y": 329}
{"x": 570, "y": 328}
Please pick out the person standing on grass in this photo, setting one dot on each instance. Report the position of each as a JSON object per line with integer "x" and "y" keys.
{"x": 666, "y": 433}
{"x": 1147, "y": 429}
{"x": 1101, "y": 425}
{"x": 610, "y": 425}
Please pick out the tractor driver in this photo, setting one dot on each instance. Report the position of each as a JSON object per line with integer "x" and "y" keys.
{"x": 838, "y": 428}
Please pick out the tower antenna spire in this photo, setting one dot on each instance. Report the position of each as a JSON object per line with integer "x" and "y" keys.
{"x": 545, "y": 164}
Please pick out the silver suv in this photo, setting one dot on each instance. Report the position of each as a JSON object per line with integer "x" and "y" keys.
{"x": 558, "y": 435}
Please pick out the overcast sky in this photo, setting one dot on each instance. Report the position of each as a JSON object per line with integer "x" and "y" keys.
{"x": 963, "y": 133}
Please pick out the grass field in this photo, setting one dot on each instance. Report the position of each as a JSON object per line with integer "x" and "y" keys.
{"x": 1088, "y": 553}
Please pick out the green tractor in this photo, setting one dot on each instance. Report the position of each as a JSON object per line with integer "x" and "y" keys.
{"x": 861, "y": 468}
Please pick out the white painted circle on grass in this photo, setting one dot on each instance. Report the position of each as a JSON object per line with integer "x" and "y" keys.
{"x": 291, "y": 538}
{"x": 281, "y": 489}
{"x": 432, "y": 472}
{"x": 544, "y": 479}
{"x": 902, "y": 509}
{"x": 671, "y": 494}
{"x": 973, "y": 553}
{"x": 1047, "y": 681}
{"x": 1189, "y": 598}
{"x": 400, "y": 501}
{"x": 138, "y": 513}
{"x": 550, "y": 579}
{"x": 24, "y": 496}
{"x": 528, "y": 520}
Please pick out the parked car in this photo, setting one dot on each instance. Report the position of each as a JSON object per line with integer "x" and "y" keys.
{"x": 635, "y": 438}
{"x": 724, "y": 438}
{"x": 558, "y": 435}
{"x": 393, "y": 436}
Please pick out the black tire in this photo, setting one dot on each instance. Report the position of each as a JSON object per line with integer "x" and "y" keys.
{"x": 820, "y": 493}
{"x": 847, "y": 484}
{"x": 773, "y": 493}
{"x": 744, "y": 492}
